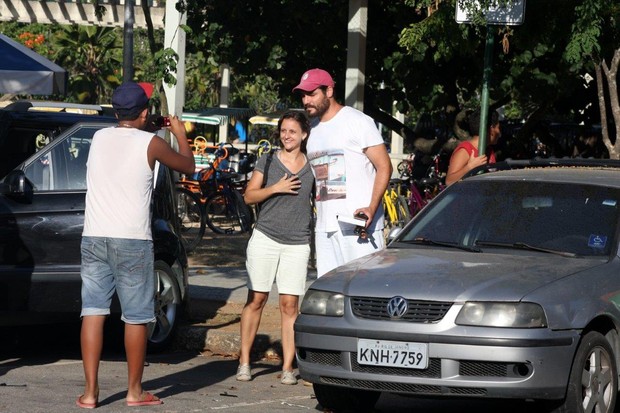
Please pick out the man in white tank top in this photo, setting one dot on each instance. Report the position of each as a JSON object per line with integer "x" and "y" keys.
{"x": 117, "y": 245}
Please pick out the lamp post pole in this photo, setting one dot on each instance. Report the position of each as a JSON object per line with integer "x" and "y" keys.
{"x": 484, "y": 99}
{"x": 128, "y": 41}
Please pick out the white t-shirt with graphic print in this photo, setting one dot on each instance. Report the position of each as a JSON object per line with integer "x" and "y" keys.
{"x": 344, "y": 175}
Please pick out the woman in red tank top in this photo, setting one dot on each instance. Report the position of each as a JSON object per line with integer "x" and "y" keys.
{"x": 465, "y": 156}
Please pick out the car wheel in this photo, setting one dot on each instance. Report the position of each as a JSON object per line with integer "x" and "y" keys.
{"x": 593, "y": 384}
{"x": 342, "y": 399}
{"x": 168, "y": 305}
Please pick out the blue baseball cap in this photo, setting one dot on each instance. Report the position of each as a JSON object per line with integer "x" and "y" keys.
{"x": 129, "y": 99}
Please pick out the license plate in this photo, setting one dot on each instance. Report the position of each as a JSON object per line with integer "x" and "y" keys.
{"x": 392, "y": 353}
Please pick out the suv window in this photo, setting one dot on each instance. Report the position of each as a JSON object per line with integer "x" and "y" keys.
{"x": 63, "y": 166}
{"x": 22, "y": 133}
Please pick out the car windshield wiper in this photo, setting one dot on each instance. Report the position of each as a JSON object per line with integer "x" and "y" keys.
{"x": 524, "y": 246}
{"x": 428, "y": 241}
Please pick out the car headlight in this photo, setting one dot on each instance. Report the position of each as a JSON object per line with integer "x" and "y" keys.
{"x": 512, "y": 315}
{"x": 323, "y": 303}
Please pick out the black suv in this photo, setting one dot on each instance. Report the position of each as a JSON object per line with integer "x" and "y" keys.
{"x": 27, "y": 126}
{"x": 42, "y": 201}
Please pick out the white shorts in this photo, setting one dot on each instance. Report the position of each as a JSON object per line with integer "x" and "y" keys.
{"x": 334, "y": 249}
{"x": 268, "y": 260}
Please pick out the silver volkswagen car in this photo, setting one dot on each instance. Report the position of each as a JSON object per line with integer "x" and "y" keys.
{"x": 507, "y": 285}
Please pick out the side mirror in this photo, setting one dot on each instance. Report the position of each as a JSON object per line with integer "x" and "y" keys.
{"x": 17, "y": 187}
{"x": 393, "y": 233}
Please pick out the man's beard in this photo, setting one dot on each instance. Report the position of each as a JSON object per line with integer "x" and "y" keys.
{"x": 320, "y": 109}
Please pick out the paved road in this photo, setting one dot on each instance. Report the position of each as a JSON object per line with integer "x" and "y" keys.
{"x": 48, "y": 379}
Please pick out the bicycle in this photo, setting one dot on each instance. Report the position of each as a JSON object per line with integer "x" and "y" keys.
{"x": 405, "y": 167}
{"x": 421, "y": 191}
{"x": 396, "y": 208}
{"x": 191, "y": 218}
{"x": 191, "y": 194}
{"x": 263, "y": 146}
{"x": 225, "y": 210}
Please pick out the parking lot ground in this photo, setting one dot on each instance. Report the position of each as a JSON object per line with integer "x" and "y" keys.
{"x": 217, "y": 296}
{"x": 49, "y": 380}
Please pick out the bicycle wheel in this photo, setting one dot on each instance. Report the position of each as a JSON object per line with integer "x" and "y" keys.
{"x": 246, "y": 216}
{"x": 404, "y": 169}
{"x": 191, "y": 218}
{"x": 416, "y": 201}
{"x": 226, "y": 213}
{"x": 402, "y": 210}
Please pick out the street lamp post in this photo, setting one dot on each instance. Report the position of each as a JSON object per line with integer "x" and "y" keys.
{"x": 128, "y": 41}
{"x": 509, "y": 12}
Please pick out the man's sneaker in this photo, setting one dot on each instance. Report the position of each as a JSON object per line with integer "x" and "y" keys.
{"x": 244, "y": 373}
{"x": 288, "y": 377}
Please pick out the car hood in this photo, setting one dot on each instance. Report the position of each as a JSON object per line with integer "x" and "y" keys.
{"x": 450, "y": 275}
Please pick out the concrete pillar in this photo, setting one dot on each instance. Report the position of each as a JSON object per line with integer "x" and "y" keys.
{"x": 397, "y": 143}
{"x": 356, "y": 54}
{"x": 174, "y": 37}
{"x": 224, "y": 91}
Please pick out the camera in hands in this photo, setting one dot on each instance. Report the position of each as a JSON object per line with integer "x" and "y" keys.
{"x": 162, "y": 121}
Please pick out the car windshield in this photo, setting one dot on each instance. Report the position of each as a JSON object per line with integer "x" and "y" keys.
{"x": 568, "y": 219}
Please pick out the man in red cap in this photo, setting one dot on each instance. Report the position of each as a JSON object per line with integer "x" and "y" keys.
{"x": 117, "y": 243}
{"x": 352, "y": 170}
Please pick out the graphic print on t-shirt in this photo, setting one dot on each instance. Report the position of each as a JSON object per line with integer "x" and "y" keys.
{"x": 329, "y": 172}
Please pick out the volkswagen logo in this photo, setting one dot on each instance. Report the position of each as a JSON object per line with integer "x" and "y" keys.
{"x": 397, "y": 307}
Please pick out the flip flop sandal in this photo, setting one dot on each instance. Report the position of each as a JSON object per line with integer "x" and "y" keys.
{"x": 83, "y": 405}
{"x": 146, "y": 399}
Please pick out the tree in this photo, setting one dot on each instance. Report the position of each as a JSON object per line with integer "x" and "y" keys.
{"x": 595, "y": 36}
{"x": 539, "y": 67}
{"x": 93, "y": 56}
{"x": 268, "y": 45}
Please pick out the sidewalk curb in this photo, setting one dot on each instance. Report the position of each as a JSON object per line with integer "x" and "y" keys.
{"x": 224, "y": 343}
{"x": 212, "y": 323}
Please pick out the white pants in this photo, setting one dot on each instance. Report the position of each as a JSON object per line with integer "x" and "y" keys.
{"x": 334, "y": 249}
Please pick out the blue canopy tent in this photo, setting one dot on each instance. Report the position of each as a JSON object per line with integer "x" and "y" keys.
{"x": 25, "y": 72}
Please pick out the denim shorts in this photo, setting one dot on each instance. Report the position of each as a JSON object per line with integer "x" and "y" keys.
{"x": 121, "y": 265}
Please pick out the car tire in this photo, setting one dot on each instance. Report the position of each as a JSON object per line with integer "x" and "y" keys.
{"x": 593, "y": 383}
{"x": 342, "y": 399}
{"x": 168, "y": 308}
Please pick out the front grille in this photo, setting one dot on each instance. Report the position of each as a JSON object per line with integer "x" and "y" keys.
{"x": 467, "y": 391}
{"x": 420, "y": 389}
{"x": 396, "y": 387}
{"x": 483, "y": 369}
{"x": 417, "y": 312}
{"x": 325, "y": 357}
{"x": 433, "y": 370}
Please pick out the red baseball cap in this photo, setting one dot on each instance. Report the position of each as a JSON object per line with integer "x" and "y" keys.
{"x": 147, "y": 87}
{"x": 314, "y": 78}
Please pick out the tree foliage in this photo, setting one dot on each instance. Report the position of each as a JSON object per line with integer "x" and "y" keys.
{"x": 418, "y": 59}
{"x": 93, "y": 55}
{"x": 539, "y": 68}
{"x": 595, "y": 41}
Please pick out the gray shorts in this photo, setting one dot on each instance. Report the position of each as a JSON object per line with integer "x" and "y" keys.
{"x": 121, "y": 265}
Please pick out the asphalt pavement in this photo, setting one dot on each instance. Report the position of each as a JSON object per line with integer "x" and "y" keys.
{"x": 216, "y": 298}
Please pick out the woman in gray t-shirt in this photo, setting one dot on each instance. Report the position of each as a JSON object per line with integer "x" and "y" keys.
{"x": 280, "y": 244}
